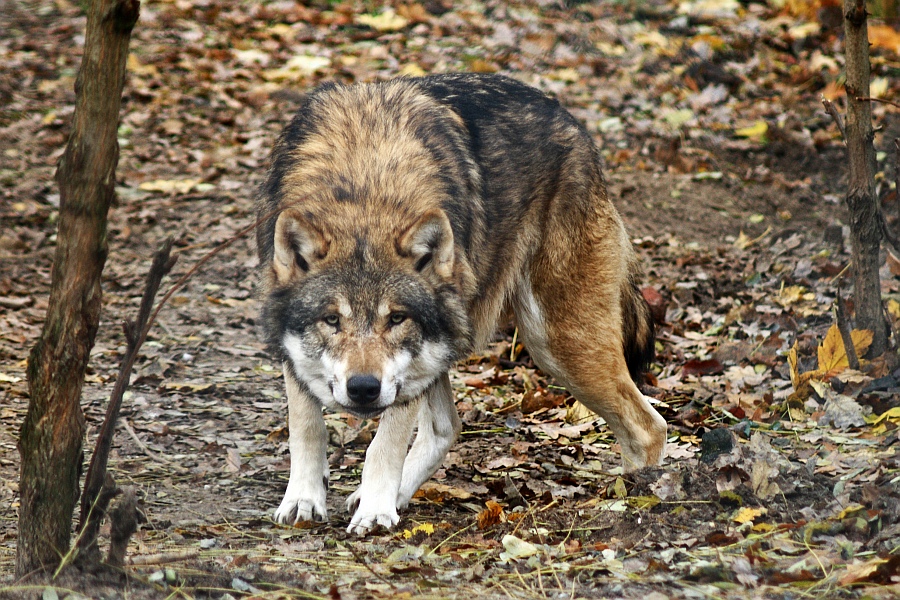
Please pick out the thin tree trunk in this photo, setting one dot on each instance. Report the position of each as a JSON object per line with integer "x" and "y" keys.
{"x": 865, "y": 218}
{"x": 51, "y": 437}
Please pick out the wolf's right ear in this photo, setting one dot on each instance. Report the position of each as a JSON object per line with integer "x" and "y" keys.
{"x": 298, "y": 245}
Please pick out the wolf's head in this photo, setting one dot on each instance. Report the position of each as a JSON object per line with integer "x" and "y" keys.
{"x": 369, "y": 315}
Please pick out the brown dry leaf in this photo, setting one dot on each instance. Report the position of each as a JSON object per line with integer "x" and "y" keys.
{"x": 185, "y": 386}
{"x": 491, "y": 515}
{"x": 861, "y": 571}
{"x": 233, "y": 460}
{"x": 833, "y": 356}
{"x": 415, "y": 12}
{"x": 439, "y": 492}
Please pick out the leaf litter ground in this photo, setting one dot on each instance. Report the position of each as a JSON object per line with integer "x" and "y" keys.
{"x": 782, "y": 473}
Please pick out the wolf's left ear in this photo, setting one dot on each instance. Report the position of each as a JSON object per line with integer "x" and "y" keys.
{"x": 299, "y": 244}
{"x": 429, "y": 243}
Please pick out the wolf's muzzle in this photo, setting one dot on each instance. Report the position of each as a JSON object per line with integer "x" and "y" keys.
{"x": 363, "y": 389}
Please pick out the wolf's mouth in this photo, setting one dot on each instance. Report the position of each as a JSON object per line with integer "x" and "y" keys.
{"x": 365, "y": 413}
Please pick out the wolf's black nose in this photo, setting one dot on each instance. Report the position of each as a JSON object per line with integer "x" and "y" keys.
{"x": 363, "y": 389}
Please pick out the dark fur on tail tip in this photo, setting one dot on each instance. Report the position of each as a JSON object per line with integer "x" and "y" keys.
{"x": 638, "y": 332}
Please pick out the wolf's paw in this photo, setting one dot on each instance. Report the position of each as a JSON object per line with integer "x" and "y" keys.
{"x": 370, "y": 514}
{"x": 294, "y": 509}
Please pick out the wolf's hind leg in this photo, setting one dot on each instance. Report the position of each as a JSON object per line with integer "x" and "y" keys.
{"x": 439, "y": 425}
{"x": 376, "y": 498}
{"x": 577, "y": 337}
{"x": 304, "y": 499}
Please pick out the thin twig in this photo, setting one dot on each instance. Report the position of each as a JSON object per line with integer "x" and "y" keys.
{"x": 163, "y": 558}
{"x": 840, "y": 318}
{"x": 881, "y": 100}
{"x": 833, "y": 111}
{"x": 150, "y": 453}
{"x": 368, "y": 567}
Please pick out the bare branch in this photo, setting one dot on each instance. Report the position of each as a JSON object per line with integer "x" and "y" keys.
{"x": 96, "y": 474}
{"x": 136, "y": 334}
{"x": 881, "y": 100}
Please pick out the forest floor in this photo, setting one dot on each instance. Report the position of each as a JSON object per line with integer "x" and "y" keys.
{"x": 730, "y": 177}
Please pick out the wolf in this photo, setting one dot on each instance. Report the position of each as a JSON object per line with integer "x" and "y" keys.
{"x": 400, "y": 221}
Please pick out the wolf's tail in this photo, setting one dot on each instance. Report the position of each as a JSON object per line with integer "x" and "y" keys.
{"x": 638, "y": 330}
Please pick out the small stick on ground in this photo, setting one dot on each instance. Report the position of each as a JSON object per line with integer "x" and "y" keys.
{"x": 150, "y": 453}
{"x": 840, "y": 318}
{"x": 161, "y": 559}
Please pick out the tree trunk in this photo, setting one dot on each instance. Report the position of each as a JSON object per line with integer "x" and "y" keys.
{"x": 865, "y": 217}
{"x": 50, "y": 441}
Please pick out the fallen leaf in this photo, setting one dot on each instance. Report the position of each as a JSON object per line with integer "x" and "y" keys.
{"x": 388, "y": 20}
{"x": 756, "y": 132}
{"x": 842, "y": 411}
{"x": 747, "y": 514}
{"x": 832, "y": 354}
{"x": 439, "y": 492}
{"x": 426, "y": 528}
{"x": 702, "y": 367}
{"x": 516, "y": 548}
{"x": 297, "y": 68}
{"x": 170, "y": 186}
{"x": 491, "y": 515}
{"x": 861, "y": 571}
{"x": 233, "y": 460}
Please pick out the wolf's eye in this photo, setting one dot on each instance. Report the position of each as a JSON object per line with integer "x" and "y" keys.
{"x": 332, "y": 320}
{"x": 397, "y": 317}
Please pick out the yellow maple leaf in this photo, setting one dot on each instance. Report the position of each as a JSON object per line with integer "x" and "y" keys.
{"x": 426, "y": 528}
{"x": 747, "y": 514}
{"x": 756, "y": 132}
{"x": 894, "y": 308}
{"x": 833, "y": 356}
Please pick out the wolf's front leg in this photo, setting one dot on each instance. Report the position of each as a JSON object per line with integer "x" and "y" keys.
{"x": 376, "y": 499}
{"x": 439, "y": 425}
{"x": 304, "y": 499}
